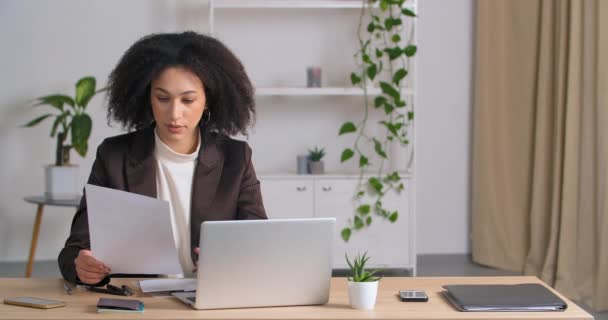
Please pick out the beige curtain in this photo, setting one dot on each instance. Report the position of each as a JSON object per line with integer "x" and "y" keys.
{"x": 540, "y": 143}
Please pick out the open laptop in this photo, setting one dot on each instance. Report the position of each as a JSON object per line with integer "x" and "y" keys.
{"x": 262, "y": 263}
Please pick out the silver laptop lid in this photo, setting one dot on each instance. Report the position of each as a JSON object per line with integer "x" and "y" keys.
{"x": 256, "y": 263}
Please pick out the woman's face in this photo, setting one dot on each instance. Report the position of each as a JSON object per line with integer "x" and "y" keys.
{"x": 178, "y": 101}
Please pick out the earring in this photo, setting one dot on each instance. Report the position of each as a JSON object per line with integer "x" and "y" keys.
{"x": 208, "y": 112}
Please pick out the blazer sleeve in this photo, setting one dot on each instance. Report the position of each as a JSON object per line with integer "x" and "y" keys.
{"x": 79, "y": 233}
{"x": 249, "y": 204}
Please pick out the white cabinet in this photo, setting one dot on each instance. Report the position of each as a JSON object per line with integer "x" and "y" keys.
{"x": 390, "y": 245}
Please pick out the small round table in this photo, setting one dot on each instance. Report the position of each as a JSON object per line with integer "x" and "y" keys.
{"x": 41, "y": 202}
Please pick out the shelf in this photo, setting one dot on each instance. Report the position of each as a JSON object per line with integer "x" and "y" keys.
{"x": 331, "y": 175}
{"x": 290, "y": 4}
{"x": 326, "y": 91}
{"x": 312, "y": 4}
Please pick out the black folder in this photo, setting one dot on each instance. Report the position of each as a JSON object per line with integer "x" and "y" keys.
{"x": 518, "y": 297}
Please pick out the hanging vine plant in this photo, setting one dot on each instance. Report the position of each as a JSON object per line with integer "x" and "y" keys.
{"x": 382, "y": 57}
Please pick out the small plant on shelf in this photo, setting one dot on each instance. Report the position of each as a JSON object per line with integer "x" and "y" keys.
{"x": 316, "y": 165}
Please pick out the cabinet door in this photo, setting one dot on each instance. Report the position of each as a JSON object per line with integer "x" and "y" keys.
{"x": 287, "y": 198}
{"x": 388, "y": 244}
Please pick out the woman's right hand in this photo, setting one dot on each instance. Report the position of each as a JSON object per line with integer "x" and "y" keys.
{"x": 89, "y": 269}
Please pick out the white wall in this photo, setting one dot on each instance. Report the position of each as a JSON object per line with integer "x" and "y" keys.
{"x": 47, "y": 45}
{"x": 445, "y": 37}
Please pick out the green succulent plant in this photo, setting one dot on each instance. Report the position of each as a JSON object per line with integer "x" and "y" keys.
{"x": 316, "y": 154}
{"x": 70, "y": 119}
{"x": 358, "y": 271}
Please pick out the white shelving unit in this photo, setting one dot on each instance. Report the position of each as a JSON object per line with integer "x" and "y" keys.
{"x": 288, "y": 195}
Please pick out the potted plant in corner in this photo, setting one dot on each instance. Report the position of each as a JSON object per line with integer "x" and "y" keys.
{"x": 71, "y": 119}
{"x": 362, "y": 284}
{"x": 316, "y": 164}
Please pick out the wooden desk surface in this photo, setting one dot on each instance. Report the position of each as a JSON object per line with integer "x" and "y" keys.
{"x": 81, "y": 305}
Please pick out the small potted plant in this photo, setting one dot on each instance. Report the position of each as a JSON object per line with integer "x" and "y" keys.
{"x": 316, "y": 165}
{"x": 363, "y": 284}
{"x": 71, "y": 119}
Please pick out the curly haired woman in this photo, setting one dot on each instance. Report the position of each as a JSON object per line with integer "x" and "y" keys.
{"x": 181, "y": 95}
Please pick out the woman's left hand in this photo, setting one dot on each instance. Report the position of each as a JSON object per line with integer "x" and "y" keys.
{"x": 197, "y": 250}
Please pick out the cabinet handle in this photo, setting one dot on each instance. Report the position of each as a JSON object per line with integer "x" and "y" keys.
{"x": 301, "y": 189}
{"x": 326, "y": 189}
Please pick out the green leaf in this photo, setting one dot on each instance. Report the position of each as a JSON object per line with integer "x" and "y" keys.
{"x": 358, "y": 223}
{"x": 85, "y": 90}
{"x": 81, "y": 130}
{"x": 347, "y": 154}
{"x": 410, "y": 115}
{"x": 37, "y": 120}
{"x": 400, "y": 104}
{"x": 372, "y": 71}
{"x": 399, "y": 75}
{"x": 384, "y": 5}
{"x": 347, "y": 127}
{"x": 346, "y": 232}
{"x": 378, "y": 148}
{"x": 393, "y": 53}
{"x": 57, "y": 122}
{"x": 370, "y": 27}
{"x": 363, "y": 161}
{"x": 396, "y": 38}
{"x": 388, "y": 108}
{"x": 388, "y": 89}
{"x": 57, "y": 101}
{"x": 354, "y": 78}
{"x": 360, "y": 194}
{"x": 375, "y": 184}
{"x": 408, "y": 12}
{"x": 379, "y": 101}
{"x": 367, "y": 59}
{"x": 410, "y": 50}
{"x": 378, "y": 53}
{"x": 364, "y": 209}
{"x": 393, "y": 217}
{"x": 368, "y": 221}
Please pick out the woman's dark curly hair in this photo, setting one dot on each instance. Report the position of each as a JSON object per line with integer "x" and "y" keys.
{"x": 228, "y": 90}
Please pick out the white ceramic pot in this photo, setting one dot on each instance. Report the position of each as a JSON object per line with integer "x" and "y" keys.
{"x": 362, "y": 295}
{"x": 61, "y": 182}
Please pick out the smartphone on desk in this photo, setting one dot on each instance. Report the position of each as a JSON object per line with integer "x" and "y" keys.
{"x": 34, "y": 302}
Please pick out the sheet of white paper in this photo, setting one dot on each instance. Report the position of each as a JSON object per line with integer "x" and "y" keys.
{"x": 131, "y": 233}
{"x": 157, "y": 285}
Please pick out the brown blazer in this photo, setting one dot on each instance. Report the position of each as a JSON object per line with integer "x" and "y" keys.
{"x": 224, "y": 186}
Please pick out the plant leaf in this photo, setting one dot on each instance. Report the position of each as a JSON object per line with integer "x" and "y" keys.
{"x": 410, "y": 115}
{"x": 388, "y": 89}
{"x": 347, "y": 127}
{"x": 57, "y": 122}
{"x": 368, "y": 221}
{"x": 408, "y": 12}
{"x": 393, "y": 217}
{"x": 85, "y": 90}
{"x": 396, "y": 38}
{"x": 347, "y": 154}
{"x": 346, "y": 232}
{"x": 372, "y": 70}
{"x": 363, "y": 209}
{"x": 378, "y": 53}
{"x": 37, "y": 120}
{"x": 56, "y": 100}
{"x": 81, "y": 130}
{"x": 363, "y": 161}
{"x": 378, "y": 148}
{"x": 393, "y": 53}
{"x": 354, "y": 78}
{"x": 375, "y": 184}
{"x": 410, "y": 50}
{"x": 399, "y": 75}
{"x": 358, "y": 223}
{"x": 379, "y": 101}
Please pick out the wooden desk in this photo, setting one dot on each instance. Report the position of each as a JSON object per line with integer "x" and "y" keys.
{"x": 81, "y": 305}
{"x": 41, "y": 202}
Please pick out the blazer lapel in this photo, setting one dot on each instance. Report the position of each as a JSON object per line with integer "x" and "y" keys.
{"x": 205, "y": 182}
{"x": 141, "y": 165}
